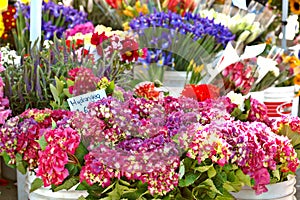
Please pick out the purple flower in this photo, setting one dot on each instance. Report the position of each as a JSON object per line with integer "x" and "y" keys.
{"x": 56, "y": 18}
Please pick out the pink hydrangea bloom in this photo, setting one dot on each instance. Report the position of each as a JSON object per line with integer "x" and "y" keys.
{"x": 261, "y": 178}
{"x": 67, "y": 138}
{"x": 51, "y": 166}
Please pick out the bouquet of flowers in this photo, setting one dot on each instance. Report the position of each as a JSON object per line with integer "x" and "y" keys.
{"x": 168, "y": 36}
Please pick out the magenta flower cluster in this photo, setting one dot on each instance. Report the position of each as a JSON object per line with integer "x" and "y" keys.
{"x": 84, "y": 28}
{"x": 138, "y": 132}
{"x": 240, "y": 76}
{"x": 19, "y": 134}
{"x": 253, "y": 147}
{"x": 52, "y": 160}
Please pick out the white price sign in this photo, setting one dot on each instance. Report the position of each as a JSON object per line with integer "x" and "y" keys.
{"x": 80, "y": 103}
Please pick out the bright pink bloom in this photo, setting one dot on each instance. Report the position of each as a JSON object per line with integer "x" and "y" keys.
{"x": 67, "y": 138}
{"x": 51, "y": 167}
{"x": 261, "y": 178}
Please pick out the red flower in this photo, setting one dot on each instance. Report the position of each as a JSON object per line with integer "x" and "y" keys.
{"x": 172, "y": 5}
{"x": 114, "y": 3}
{"x": 201, "y": 92}
{"x": 73, "y": 73}
{"x": 98, "y": 38}
{"x": 147, "y": 90}
{"x": 130, "y": 51}
{"x": 74, "y": 44}
{"x": 9, "y": 20}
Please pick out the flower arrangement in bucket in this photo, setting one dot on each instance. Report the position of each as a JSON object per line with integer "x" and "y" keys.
{"x": 168, "y": 35}
{"x": 149, "y": 148}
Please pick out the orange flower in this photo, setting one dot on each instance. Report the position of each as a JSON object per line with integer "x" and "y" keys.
{"x": 297, "y": 79}
{"x": 292, "y": 60}
{"x": 295, "y": 6}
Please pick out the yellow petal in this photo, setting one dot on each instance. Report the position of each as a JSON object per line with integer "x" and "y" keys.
{"x": 3, "y": 5}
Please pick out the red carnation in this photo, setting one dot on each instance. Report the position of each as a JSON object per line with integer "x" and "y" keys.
{"x": 98, "y": 38}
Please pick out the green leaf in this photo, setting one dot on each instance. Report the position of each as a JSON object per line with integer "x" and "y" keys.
{"x": 188, "y": 180}
{"x": 82, "y": 186}
{"x": 225, "y": 196}
{"x": 67, "y": 93}
{"x": 203, "y": 168}
{"x": 247, "y": 104}
{"x": 36, "y": 184}
{"x": 6, "y": 159}
{"x": 55, "y": 93}
{"x": 236, "y": 112}
{"x": 20, "y": 164}
{"x": 73, "y": 169}
{"x": 42, "y": 142}
{"x": 118, "y": 191}
{"x": 81, "y": 198}
{"x": 211, "y": 172}
{"x": 243, "y": 177}
{"x": 59, "y": 85}
{"x": 70, "y": 83}
{"x": 67, "y": 184}
{"x": 232, "y": 186}
{"x": 276, "y": 174}
{"x": 80, "y": 152}
{"x": 110, "y": 89}
{"x": 53, "y": 124}
{"x": 181, "y": 170}
{"x": 231, "y": 176}
{"x": 211, "y": 185}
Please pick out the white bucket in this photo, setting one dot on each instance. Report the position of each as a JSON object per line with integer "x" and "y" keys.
{"x": 279, "y": 100}
{"x": 278, "y": 191}
{"x": 45, "y": 193}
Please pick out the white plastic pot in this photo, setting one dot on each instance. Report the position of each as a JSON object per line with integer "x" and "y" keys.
{"x": 45, "y": 193}
{"x": 278, "y": 191}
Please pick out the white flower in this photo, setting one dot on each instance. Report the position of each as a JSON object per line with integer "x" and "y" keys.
{"x": 237, "y": 99}
{"x": 9, "y": 57}
{"x": 47, "y": 44}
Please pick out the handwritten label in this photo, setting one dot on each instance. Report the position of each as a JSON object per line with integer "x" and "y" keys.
{"x": 240, "y": 4}
{"x": 80, "y": 103}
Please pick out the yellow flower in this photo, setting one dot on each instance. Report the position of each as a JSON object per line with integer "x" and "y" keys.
{"x": 129, "y": 12}
{"x": 2, "y": 27}
{"x": 79, "y": 36}
{"x": 292, "y": 60}
{"x": 141, "y": 8}
{"x": 126, "y": 26}
{"x": 295, "y": 6}
{"x": 269, "y": 40}
{"x": 198, "y": 69}
{"x": 3, "y": 5}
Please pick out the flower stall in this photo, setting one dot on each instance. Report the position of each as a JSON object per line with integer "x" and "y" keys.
{"x": 147, "y": 100}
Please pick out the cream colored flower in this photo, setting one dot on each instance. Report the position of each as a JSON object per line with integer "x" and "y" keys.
{"x": 237, "y": 99}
